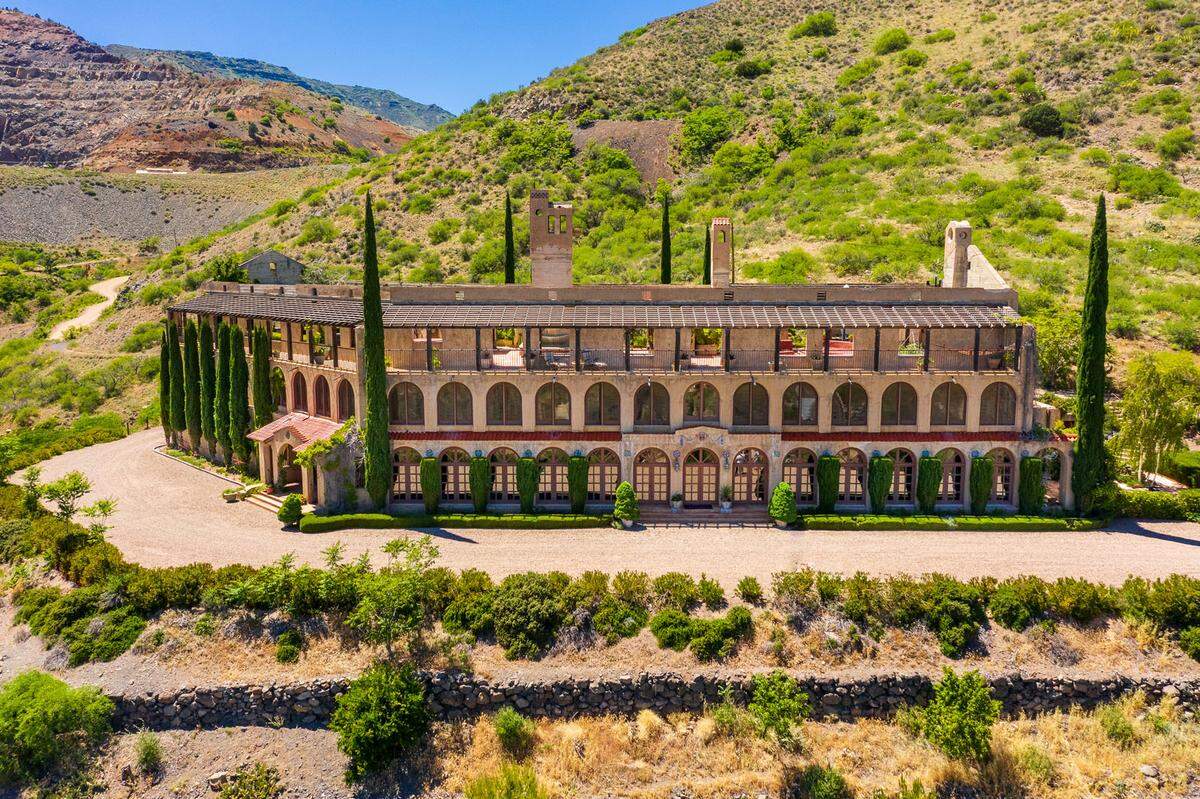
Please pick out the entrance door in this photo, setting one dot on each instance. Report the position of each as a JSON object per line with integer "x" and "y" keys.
{"x": 750, "y": 476}
{"x": 701, "y": 471}
{"x": 652, "y": 476}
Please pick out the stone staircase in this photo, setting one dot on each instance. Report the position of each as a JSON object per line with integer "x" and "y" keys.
{"x": 738, "y": 517}
{"x": 268, "y": 502}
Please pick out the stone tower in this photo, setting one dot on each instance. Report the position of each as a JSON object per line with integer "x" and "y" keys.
{"x": 722, "y": 252}
{"x": 551, "y": 233}
{"x": 957, "y": 262}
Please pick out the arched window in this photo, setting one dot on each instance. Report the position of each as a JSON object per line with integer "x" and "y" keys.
{"x": 278, "y": 388}
{"x": 454, "y": 405}
{"x": 904, "y": 468}
{"x": 406, "y": 475}
{"x": 345, "y": 400}
{"x": 951, "y": 487}
{"x": 750, "y": 476}
{"x": 998, "y": 405}
{"x": 700, "y": 471}
{"x": 553, "y": 484}
{"x": 652, "y": 475}
{"x": 604, "y": 472}
{"x": 850, "y": 484}
{"x": 299, "y": 393}
{"x": 849, "y": 405}
{"x": 948, "y": 405}
{"x": 406, "y": 405}
{"x": 702, "y": 403}
{"x": 799, "y": 471}
{"x": 504, "y": 476}
{"x": 552, "y": 405}
{"x": 1003, "y": 472}
{"x": 750, "y": 406}
{"x": 504, "y": 405}
{"x": 899, "y": 405}
{"x": 602, "y": 405}
{"x": 800, "y": 405}
{"x": 651, "y": 406}
{"x": 456, "y": 475}
{"x": 321, "y": 397}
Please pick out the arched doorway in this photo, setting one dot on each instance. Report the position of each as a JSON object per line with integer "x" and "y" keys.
{"x": 504, "y": 476}
{"x": 299, "y": 393}
{"x": 701, "y": 471}
{"x": 604, "y": 472}
{"x": 456, "y": 475}
{"x": 750, "y": 476}
{"x": 345, "y": 400}
{"x": 321, "y": 397}
{"x": 553, "y": 484}
{"x": 652, "y": 476}
{"x": 406, "y": 475}
{"x": 852, "y": 477}
{"x": 1003, "y": 475}
{"x": 904, "y": 472}
{"x": 289, "y": 471}
{"x": 800, "y": 472}
{"x": 953, "y": 467}
{"x": 1052, "y": 475}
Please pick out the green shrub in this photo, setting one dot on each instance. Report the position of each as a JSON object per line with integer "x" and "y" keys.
{"x": 672, "y": 629}
{"x": 815, "y": 782}
{"x": 752, "y": 67}
{"x": 577, "y": 482}
{"x": 912, "y": 58}
{"x": 675, "y": 590}
{"x": 1080, "y": 600}
{"x": 1117, "y": 727}
{"x": 1042, "y": 120}
{"x": 616, "y": 619}
{"x": 891, "y": 41}
{"x": 626, "y": 505}
{"x": 148, "y": 752}
{"x": 480, "y": 477}
{"x": 929, "y": 482}
{"x": 1173, "y": 601}
{"x": 1019, "y": 601}
{"x": 954, "y": 611}
{"x": 750, "y": 591}
{"x": 510, "y": 782}
{"x": 828, "y": 469}
{"x": 980, "y": 488}
{"x": 857, "y": 72}
{"x": 777, "y": 707}
{"x": 819, "y": 23}
{"x": 943, "y": 35}
{"x": 495, "y": 521}
{"x": 880, "y": 471}
{"x": 287, "y": 647}
{"x": 526, "y": 613}
{"x": 1031, "y": 491}
{"x": 382, "y": 713}
{"x": 1137, "y": 504}
{"x": 290, "y": 512}
{"x": 45, "y": 725}
{"x": 982, "y": 523}
{"x": 1189, "y": 642}
{"x": 259, "y": 781}
{"x": 470, "y": 606}
{"x": 714, "y": 639}
{"x": 959, "y": 720}
{"x": 632, "y": 587}
{"x": 431, "y": 483}
{"x": 1176, "y": 143}
{"x": 514, "y": 731}
{"x": 705, "y": 129}
{"x": 783, "y": 504}
{"x": 710, "y": 592}
{"x": 529, "y": 473}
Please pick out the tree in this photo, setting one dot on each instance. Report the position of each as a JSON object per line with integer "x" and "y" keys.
{"x": 208, "y": 386}
{"x": 221, "y": 401}
{"x": 177, "y": 410}
{"x": 382, "y": 713}
{"x": 665, "y": 260}
{"x": 65, "y": 493}
{"x": 1089, "y": 467}
{"x": 1157, "y": 407}
{"x": 191, "y": 383}
{"x": 393, "y": 602}
{"x": 164, "y": 384}
{"x": 510, "y": 249}
{"x": 375, "y": 435}
{"x": 1058, "y": 342}
{"x": 707, "y": 255}
{"x": 239, "y": 396}
{"x": 261, "y": 382}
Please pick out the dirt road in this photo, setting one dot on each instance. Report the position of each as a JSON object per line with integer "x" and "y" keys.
{"x": 107, "y": 289}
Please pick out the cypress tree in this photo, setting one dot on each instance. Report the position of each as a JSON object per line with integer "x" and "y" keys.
{"x": 707, "y": 255}
{"x": 665, "y": 267}
{"x": 164, "y": 385}
{"x": 239, "y": 396}
{"x": 178, "y": 413}
{"x": 221, "y": 399}
{"x": 1089, "y": 466}
{"x": 191, "y": 383}
{"x": 378, "y": 466}
{"x": 510, "y": 249}
{"x": 208, "y": 386}
{"x": 263, "y": 407}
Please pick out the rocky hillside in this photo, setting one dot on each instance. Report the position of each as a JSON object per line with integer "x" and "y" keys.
{"x": 65, "y": 101}
{"x": 384, "y": 102}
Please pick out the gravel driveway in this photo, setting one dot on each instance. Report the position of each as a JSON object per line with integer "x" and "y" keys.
{"x": 169, "y": 513}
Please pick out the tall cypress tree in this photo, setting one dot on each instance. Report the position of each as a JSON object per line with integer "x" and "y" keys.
{"x": 178, "y": 412}
{"x": 191, "y": 383}
{"x": 375, "y": 433}
{"x": 707, "y": 255}
{"x": 164, "y": 384}
{"x": 261, "y": 377}
{"x": 665, "y": 266}
{"x": 510, "y": 248}
{"x": 221, "y": 401}
{"x": 239, "y": 396}
{"x": 208, "y": 386}
{"x": 1089, "y": 468}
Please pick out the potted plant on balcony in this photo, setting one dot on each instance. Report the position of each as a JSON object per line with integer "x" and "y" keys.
{"x": 783, "y": 505}
{"x": 625, "y": 509}
{"x": 677, "y": 501}
{"x": 726, "y": 498}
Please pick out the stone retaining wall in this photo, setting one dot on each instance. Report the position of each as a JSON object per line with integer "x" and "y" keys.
{"x": 455, "y": 696}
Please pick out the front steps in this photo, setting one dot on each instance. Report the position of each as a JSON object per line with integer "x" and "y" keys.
{"x": 739, "y": 516}
{"x": 268, "y": 502}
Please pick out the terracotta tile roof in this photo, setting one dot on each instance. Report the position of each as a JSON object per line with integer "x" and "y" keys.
{"x": 304, "y": 428}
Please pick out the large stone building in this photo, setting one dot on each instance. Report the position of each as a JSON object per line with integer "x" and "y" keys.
{"x": 680, "y": 389}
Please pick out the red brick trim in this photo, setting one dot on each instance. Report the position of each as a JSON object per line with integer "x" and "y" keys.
{"x": 948, "y": 436}
{"x": 504, "y": 435}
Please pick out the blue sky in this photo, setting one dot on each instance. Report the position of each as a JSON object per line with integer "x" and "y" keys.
{"x": 449, "y": 53}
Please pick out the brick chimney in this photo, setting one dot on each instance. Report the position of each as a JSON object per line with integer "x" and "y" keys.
{"x": 551, "y": 234}
{"x": 957, "y": 263}
{"x": 722, "y": 252}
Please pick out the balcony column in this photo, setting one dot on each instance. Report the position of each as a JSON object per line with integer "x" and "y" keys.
{"x": 288, "y": 325}
{"x": 725, "y": 351}
{"x": 825, "y": 335}
{"x": 1066, "y": 463}
{"x": 429, "y": 349}
{"x": 478, "y": 350}
{"x": 529, "y": 349}
{"x": 927, "y": 338}
{"x": 975, "y": 352}
{"x": 875, "y": 367}
{"x": 578, "y": 350}
{"x": 311, "y": 331}
{"x": 775, "y": 357}
{"x": 1017, "y": 353}
{"x": 628, "y": 364}
{"x": 335, "y": 340}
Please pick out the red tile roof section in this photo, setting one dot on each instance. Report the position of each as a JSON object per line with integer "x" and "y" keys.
{"x": 304, "y": 427}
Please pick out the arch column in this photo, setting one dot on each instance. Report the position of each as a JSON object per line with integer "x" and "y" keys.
{"x": 1066, "y": 464}
{"x": 966, "y": 478}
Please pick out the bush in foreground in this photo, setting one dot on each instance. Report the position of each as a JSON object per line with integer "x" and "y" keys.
{"x": 815, "y": 782}
{"x": 45, "y": 725}
{"x": 514, "y": 731}
{"x": 526, "y": 613}
{"x": 382, "y": 713}
{"x": 290, "y": 511}
{"x": 778, "y": 706}
{"x": 510, "y": 782}
{"x": 960, "y": 718}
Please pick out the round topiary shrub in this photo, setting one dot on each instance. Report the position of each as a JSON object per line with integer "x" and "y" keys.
{"x": 291, "y": 511}
{"x": 783, "y": 504}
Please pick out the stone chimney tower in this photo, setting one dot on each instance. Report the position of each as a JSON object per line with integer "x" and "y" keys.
{"x": 551, "y": 233}
{"x": 722, "y": 252}
{"x": 957, "y": 263}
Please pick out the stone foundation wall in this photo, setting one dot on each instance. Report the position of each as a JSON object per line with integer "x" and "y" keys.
{"x": 456, "y": 696}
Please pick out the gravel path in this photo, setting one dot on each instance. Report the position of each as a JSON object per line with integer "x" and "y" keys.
{"x": 107, "y": 289}
{"x": 169, "y": 513}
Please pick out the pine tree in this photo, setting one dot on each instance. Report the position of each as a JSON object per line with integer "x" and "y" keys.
{"x": 378, "y": 464}
{"x": 665, "y": 268}
{"x": 221, "y": 400}
{"x": 239, "y": 396}
{"x": 1089, "y": 467}
{"x": 707, "y": 255}
{"x": 208, "y": 386}
{"x": 263, "y": 407}
{"x": 510, "y": 248}
{"x": 178, "y": 412}
{"x": 164, "y": 385}
{"x": 191, "y": 383}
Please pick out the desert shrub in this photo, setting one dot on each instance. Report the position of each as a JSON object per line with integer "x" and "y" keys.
{"x": 672, "y": 629}
{"x": 714, "y": 639}
{"x": 783, "y": 504}
{"x": 705, "y": 129}
{"x": 1042, "y": 120}
{"x": 862, "y": 598}
{"x": 258, "y": 781}
{"x": 959, "y": 719}
{"x": 431, "y": 484}
{"x": 1116, "y": 726}
{"x": 514, "y": 731}
{"x": 912, "y": 58}
{"x": 290, "y": 511}
{"x": 1036, "y": 763}
{"x": 148, "y": 752}
{"x": 857, "y": 72}
{"x": 943, "y": 35}
{"x": 1031, "y": 491}
{"x": 45, "y": 725}
{"x": 1019, "y": 601}
{"x": 1080, "y": 600}
{"x": 470, "y": 607}
{"x": 819, "y": 23}
{"x": 287, "y": 646}
{"x": 526, "y": 613}
{"x": 795, "y": 595}
{"x": 616, "y": 619}
{"x": 1142, "y": 183}
{"x": 382, "y": 713}
{"x": 777, "y": 707}
{"x": 954, "y": 611}
{"x": 510, "y": 782}
{"x": 749, "y": 590}
{"x": 891, "y": 41}
{"x": 675, "y": 590}
{"x": 828, "y": 469}
{"x": 710, "y": 592}
{"x": 1189, "y": 642}
{"x": 815, "y": 782}
{"x": 1176, "y": 143}
{"x": 632, "y": 587}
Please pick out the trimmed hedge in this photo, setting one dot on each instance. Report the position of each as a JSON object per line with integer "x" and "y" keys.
{"x": 880, "y": 472}
{"x": 313, "y": 523}
{"x": 980, "y": 488}
{"x": 1159, "y": 504}
{"x": 983, "y": 523}
{"x": 929, "y": 481}
{"x": 1031, "y": 490}
{"x": 431, "y": 483}
{"x": 828, "y": 469}
{"x": 577, "y": 482}
{"x": 481, "y": 483}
